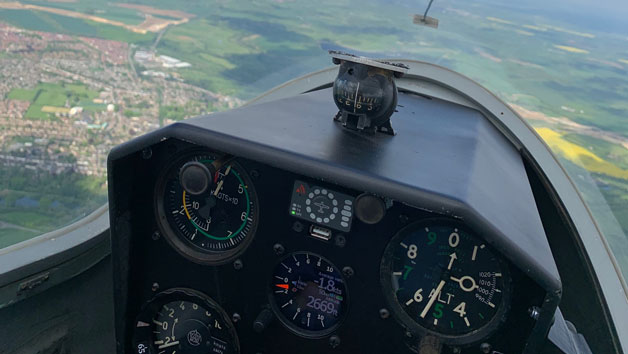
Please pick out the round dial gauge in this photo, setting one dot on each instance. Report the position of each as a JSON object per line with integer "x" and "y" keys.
{"x": 216, "y": 222}
{"x": 441, "y": 279}
{"x": 184, "y": 321}
{"x": 308, "y": 294}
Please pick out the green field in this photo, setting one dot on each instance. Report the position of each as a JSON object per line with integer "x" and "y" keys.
{"x": 22, "y": 94}
{"x": 66, "y": 198}
{"x": 97, "y": 8}
{"x": 49, "y": 22}
{"x": 10, "y": 236}
{"x": 56, "y": 95}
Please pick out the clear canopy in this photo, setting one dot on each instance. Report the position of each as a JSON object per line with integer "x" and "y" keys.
{"x": 80, "y": 76}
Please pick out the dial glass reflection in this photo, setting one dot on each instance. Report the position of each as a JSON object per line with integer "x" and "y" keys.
{"x": 447, "y": 280}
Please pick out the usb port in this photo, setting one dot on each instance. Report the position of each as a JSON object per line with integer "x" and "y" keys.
{"x": 320, "y": 232}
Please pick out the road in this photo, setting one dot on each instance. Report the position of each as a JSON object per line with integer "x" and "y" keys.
{"x": 159, "y": 35}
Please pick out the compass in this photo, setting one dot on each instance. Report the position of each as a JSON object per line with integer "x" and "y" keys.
{"x": 365, "y": 92}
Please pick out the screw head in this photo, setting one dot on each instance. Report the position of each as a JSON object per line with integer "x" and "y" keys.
{"x": 534, "y": 312}
{"x": 348, "y": 271}
{"x": 147, "y": 153}
{"x": 297, "y": 226}
{"x": 279, "y": 249}
{"x": 485, "y": 348}
{"x": 156, "y": 235}
{"x": 237, "y": 264}
{"x": 403, "y": 219}
{"x": 334, "y": 341}
{"x": 235, "y": 317}
{"x": 384, "y": 313}
{"x": 340, "y": 240}
{"x": 155, "y": 287}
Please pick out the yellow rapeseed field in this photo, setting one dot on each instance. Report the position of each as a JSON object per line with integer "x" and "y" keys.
{"x": 580, "y": 155}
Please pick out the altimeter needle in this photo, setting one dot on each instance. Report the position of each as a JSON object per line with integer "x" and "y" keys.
{"x": 461, "y": 281}
{"x": 433, "y": 298}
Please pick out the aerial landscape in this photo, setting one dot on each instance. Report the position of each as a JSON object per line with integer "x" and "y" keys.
{"x": 78, "y": 77}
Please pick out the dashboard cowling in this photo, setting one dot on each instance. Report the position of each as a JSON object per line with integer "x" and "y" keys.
{"x": 446, "y": 160}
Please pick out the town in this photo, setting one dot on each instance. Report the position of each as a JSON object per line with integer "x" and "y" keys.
{"x": 65, "y": 101}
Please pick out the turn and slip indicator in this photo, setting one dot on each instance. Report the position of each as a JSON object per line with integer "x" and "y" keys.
{"x": 322, "y": 206}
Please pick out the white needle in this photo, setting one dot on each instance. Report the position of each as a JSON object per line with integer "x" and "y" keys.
{"x": 218, "y": 187}
{"x": 168, "y": 345}
{"x": 433, "y": 298}
{"x": 461, "y": 282}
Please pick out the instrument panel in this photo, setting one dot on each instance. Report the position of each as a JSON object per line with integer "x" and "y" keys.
{"x": 247, "y": 258}
{"x": 429, "y": 241}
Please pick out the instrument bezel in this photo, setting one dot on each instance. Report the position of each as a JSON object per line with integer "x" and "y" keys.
{"x": 174, "y": 237}
{"x": 417, "y": 330}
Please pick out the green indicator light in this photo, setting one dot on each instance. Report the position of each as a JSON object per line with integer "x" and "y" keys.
{"x": 294, "y": 212}
{"x": 451, "y": 324}
{"x": 479, "y": 314}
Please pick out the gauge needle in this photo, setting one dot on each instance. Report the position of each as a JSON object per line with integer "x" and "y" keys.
{"x": 433, "y": 298}
{"x": 168, "y": 345}
{"x": 218, "y": 187}
{"x": 283, "y": 286}
{"x": 461, "y": 282}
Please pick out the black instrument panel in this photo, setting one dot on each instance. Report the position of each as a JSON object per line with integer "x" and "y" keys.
{"x": 341, "y": 300}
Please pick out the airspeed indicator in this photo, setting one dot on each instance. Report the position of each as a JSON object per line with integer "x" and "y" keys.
{"x": 216, "y": 223}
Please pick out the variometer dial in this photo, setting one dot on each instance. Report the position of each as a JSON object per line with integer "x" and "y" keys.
{"x": 441, "y": 279}
{"x": 215, "y": 223}
{"x": 308, "y": 294}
